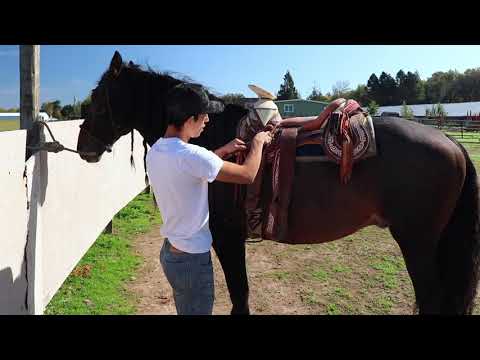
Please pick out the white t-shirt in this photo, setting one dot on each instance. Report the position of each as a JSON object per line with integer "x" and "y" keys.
{"x": 179, "y": 173}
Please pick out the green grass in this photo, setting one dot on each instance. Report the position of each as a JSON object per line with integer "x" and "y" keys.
{"x": 320, "y": 275}
{"x": 281, "y": 275}
{"x": 341, "y": 292}
{"x": 308, "y": 297}
{"x": 6, "y": 125}
{"x": 332, "y": 309}
{"x": 385, "y": 303}
{"x": 338, "y": 268}
{"x": 474, "y": 152}
{"x": 97, "y": 285}
{"x": 389, "y": 266}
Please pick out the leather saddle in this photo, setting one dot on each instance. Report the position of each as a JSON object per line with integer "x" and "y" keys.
{"x": 344, "y": 132}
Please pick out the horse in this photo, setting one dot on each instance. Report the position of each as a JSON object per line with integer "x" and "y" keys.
{"x": 421, "y": 185}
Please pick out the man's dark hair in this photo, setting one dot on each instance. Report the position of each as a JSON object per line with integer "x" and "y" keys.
{"x": 185, "y": 100}
{"x": 178, "y": 115}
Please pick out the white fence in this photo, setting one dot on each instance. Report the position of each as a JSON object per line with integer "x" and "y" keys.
{"x": 52, "y": 209}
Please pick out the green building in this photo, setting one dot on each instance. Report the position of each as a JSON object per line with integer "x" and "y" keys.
{"x": 299, "y": 107}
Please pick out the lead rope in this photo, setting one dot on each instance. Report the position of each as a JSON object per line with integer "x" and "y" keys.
{"x": 53, "y": 146}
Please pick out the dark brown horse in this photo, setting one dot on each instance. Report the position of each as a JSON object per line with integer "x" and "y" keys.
{"x": 422, "y": 185}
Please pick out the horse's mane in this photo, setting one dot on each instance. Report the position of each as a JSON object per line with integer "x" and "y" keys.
{"x": 170, "y": 78}
{"x": 153, "y": 84}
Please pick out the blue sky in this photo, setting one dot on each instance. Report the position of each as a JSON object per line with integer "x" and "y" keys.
{"x": 72, "y": 70}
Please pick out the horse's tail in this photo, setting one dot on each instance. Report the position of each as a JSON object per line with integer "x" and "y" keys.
{"x": 459, "y": 248}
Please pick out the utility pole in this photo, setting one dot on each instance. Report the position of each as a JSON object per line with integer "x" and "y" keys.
{"x": 29, "y": 85}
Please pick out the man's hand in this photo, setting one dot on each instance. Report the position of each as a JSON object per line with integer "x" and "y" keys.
{"x": 264, "y": 137}
{"x": 245, "y": 173}
{"x": 233, "y": 147}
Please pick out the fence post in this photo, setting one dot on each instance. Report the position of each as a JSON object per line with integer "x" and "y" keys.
{"x": 29, "y": 84}
{"x": 29, "y": 110}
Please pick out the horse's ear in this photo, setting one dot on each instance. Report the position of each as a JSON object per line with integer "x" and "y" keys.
{"x": 116, "y": 63}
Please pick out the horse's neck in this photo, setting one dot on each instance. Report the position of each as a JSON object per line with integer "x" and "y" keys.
{"x": 221, "y": 129}
{"x": 150, "y": 122}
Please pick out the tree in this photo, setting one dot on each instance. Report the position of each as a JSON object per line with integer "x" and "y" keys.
{"x": 11, "y": 110}
{"x": 406, "y": 112}
{"x": 412, "y": 87}
{"x": 441, "y": 111}
{"x": 402, "y": 89}
{"x": 360, "y": 94}
{"x": 53, "y": 109}
{"x": 68, "y": 112}
{"x": 372, "y": 108}
{"x": 373, "y": 88}
{"x": 287, "y": 89}
{"x": 83, "y": 106}
{"x": 231, "y": 98}
{"x": 420, "y": 92}
{"x": 316, "y": 95}
{"x": 387, "y": 89}
{"x": 440, "y": 87}
{"x": 87, "y": 100}
{"x": 77, "y": 109}
{"x": 340, "y": 89}
{"x": 436, "y": 111}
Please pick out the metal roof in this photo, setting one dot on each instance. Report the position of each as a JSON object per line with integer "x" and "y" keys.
{"x": 314, "y": 101}
{"x": 452, "y": 109}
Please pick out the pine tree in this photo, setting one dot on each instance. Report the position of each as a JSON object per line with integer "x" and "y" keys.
{"x": 373, "y": 88}
{"x": 287, "y": 89}
{"x": 372, "y": 108}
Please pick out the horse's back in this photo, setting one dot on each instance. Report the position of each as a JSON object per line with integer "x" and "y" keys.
{"x": 422, "y": 171}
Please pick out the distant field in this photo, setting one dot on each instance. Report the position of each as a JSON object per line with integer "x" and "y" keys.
{"x": 7, "y": 125}
{"x": 466, "y": 136}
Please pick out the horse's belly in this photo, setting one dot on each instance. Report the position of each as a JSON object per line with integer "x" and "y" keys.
{"x": 322, "y": 209}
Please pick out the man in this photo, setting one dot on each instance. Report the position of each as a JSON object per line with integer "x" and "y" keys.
{"x": 179, "y": 174}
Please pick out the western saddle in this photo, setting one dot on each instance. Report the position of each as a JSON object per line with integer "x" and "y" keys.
{"x": 346, "y": 136}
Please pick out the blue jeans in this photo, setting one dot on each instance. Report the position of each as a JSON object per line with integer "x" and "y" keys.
{"x": 191, "y": 278}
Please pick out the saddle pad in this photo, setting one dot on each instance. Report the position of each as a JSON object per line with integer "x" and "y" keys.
{"x": 363, "y": 137}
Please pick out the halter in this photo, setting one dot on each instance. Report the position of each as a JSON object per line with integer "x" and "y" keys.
{"x": 106, "y": 147}
{"x": 116, "y": 132}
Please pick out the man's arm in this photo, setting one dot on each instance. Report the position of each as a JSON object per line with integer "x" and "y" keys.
{"x": 230, "y": 149}
{"x": 246, "y": 173}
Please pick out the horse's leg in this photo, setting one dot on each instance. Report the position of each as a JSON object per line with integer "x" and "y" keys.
{"x": 420, "y": 255}
{"x": 230, "y": 249}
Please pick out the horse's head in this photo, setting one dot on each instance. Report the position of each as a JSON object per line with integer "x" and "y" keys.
{"x": 109, "y": 115}
{"x": 128, "y": 97}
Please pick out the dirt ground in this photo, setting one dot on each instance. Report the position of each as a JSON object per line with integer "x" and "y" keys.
{"x": 360, "y": 274}
{"x": 283, "y": 279}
